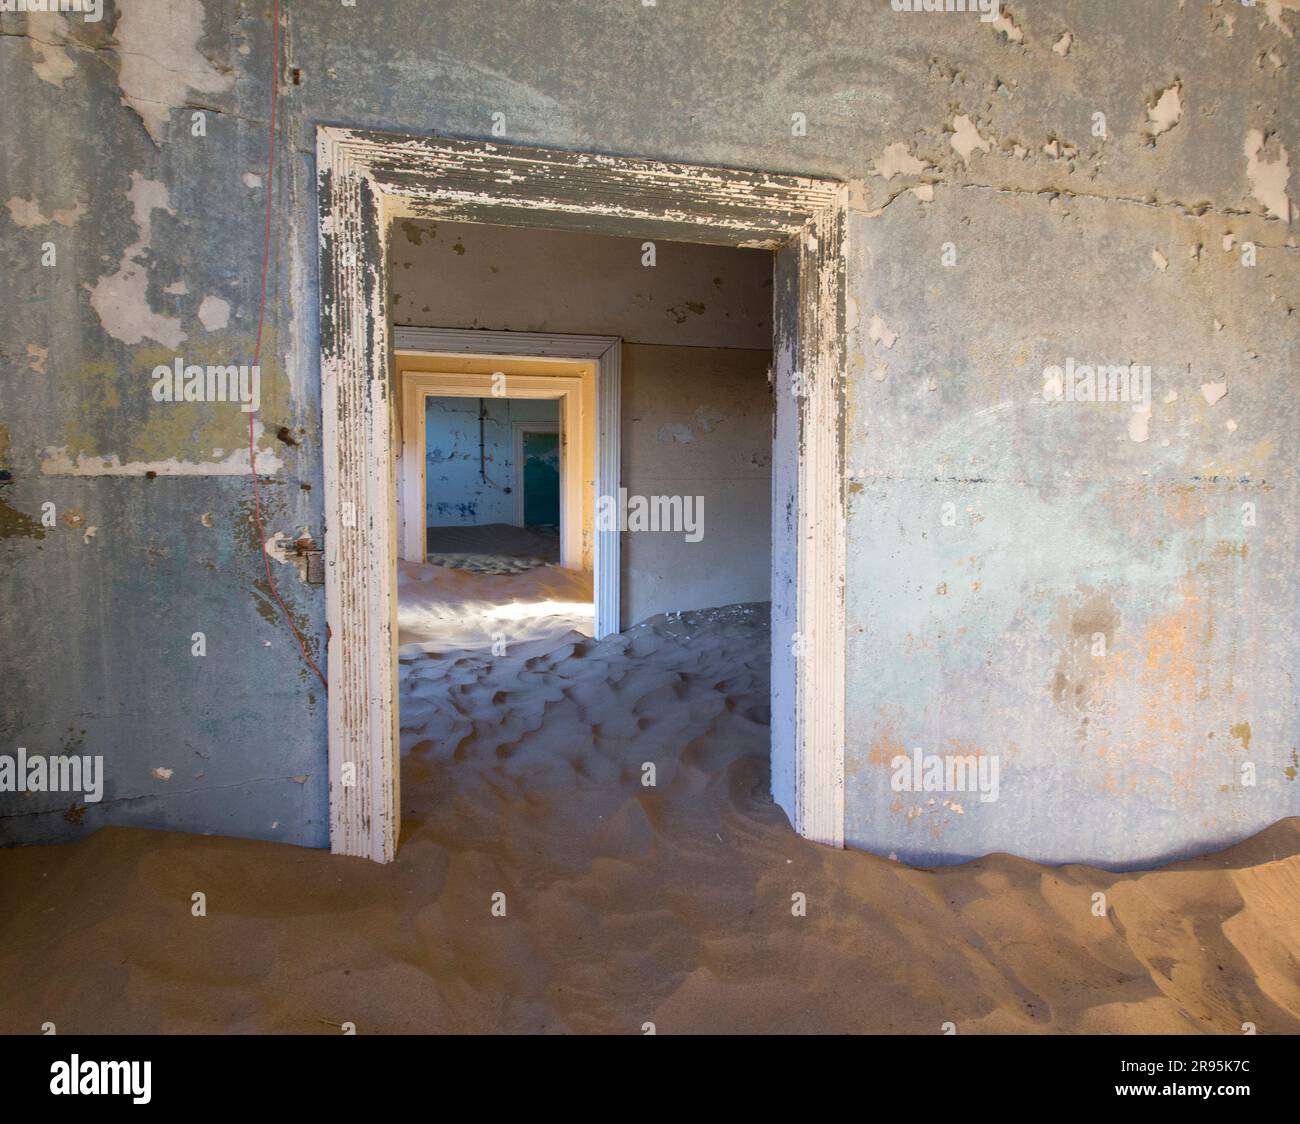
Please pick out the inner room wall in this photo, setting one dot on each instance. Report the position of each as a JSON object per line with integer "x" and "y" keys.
{"x": 697, "y": 406}
{"x": 457, "y": 493}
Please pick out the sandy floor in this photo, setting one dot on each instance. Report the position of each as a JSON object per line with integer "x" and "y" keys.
{"x": 494, "y": 548}
{"x": 628, "y": 904}
{"x": 443, "y": 609}
{"x": 489, "y": 586}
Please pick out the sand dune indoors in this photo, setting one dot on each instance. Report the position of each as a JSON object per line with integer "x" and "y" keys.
{"x": 628, "y": 904}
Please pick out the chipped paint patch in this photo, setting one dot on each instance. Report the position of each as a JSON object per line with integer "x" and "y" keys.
{"x": 1063, "y": 44}
{"x": 1139, "y": 425}
{"x": 878, "y": 332}
{"x": 1007, "y": 26}
{"x": 1268, "y": 179}
{"x": 1213, "y": 391}
{"x": 53, "y": 64}
{"x": 1165, "y": 112}
{"x": 161, "y": 773}
{"x": 1273, "y": 10}
{"x": 675, "y": 433}
{"x": 121, "y": 299}
{"x": 59, "y": 462}
{"x": 37, "y": 357}
{"x": 214, "y": 313}
{"x": 284, "y": 550}
{"x": 160, "y": 61}
{"x": 897, "y": 160}
{"x": 27, "y": 213}
{"x": 966, "y": 137}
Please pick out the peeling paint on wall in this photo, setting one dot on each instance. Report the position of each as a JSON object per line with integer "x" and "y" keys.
{"x": 1165, "y": 112}
{"x": 1054, "y": 235}
{"x": 160, "y": 61}
{"x": 966, "y": 138}
{"x": 1268, "y": 178}
{"x": 121, "y": 298}
{"x": 53, "y": 64}
{"x": 58, "y": 462}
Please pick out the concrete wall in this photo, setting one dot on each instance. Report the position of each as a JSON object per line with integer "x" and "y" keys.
{"x": 466, "y": 275}
{"x": 456, "y": 493}
{"x": 1100, "y": 597}
{"x": 697, "y": 422}
{"x": 955, "y": 130}
{"x": 697, "y": 408}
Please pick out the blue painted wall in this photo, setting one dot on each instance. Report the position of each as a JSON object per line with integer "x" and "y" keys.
{"x": 462, "y": 490}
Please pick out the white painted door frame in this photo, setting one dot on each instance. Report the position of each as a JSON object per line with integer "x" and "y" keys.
{"x": 368, "y": 179}
{"x": 417, "y": 386}
{"x": 606, "y": 353}
{"x": 518, "y": 429}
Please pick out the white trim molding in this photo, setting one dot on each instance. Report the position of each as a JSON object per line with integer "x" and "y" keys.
{"x": 607, "y": 354}
{"x": 367, "y": 179}
{"x": 417, "y": 386}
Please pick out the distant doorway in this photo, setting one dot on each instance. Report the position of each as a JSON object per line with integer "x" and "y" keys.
{"x": 366, "y": 181}
{"x": 537, "y": 474}
{"x": 578, "y": 377}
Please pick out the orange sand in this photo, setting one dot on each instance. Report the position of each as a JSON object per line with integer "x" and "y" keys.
{"x": 626, "y": 904}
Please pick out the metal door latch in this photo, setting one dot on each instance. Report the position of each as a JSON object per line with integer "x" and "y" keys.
{"x": 308, "y": 549}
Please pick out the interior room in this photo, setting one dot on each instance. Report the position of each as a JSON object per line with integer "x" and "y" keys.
{"x": 504, "y": 597}
{"x": 647, "y": 518}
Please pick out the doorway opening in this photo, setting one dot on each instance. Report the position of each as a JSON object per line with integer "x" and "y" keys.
{"x": 537, "y": 475}
{"x": 495, "y": 497}
{"x": 368, "y": 183}
{"x": 456, "y": 491}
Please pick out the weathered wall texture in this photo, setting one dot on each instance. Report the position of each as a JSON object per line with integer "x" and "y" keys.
{"x": 514, "y": 279}
{"x": 975, "y": 633}
{"x": 1099, "y": 597}
{"x": 457, "y": 493}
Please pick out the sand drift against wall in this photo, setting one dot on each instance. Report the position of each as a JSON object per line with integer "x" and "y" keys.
{"x": 625, "y": 903}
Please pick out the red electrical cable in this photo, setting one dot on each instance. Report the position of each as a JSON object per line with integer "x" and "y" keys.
{"x": 257, "y": 352}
